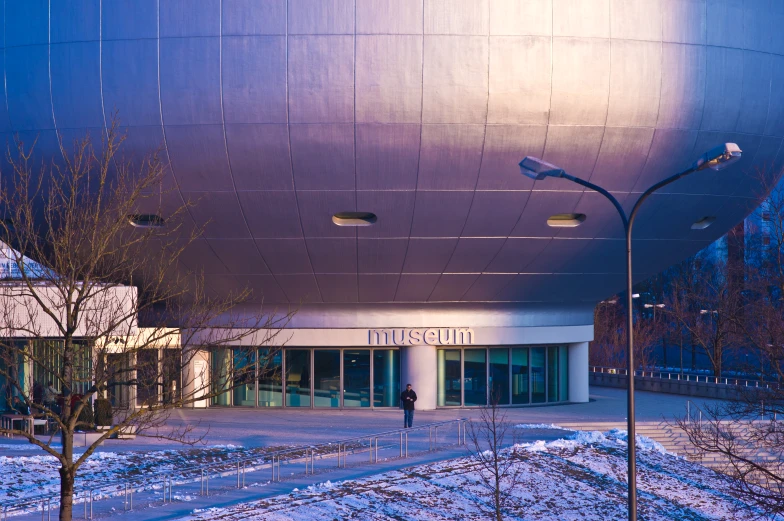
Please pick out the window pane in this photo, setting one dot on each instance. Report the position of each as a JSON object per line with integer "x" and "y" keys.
{"x": 552, "y": 374}
{"x": 220, "y": 372}
{"x": 538, "y": 390}
{"x": 12, "y": 373}
{"x": 147, "y": 377}
{"x": 172, "y": 372}
{"x": 270, "y": 381}
{"x": 356, "y": 378}
{"x": 520, "y": 379}
{"x": 120, "y": 376}
{"x": 499, "y": 376}
{"x": 326, "y": 380}
{"x": 449, "y": 377}
{"x": 298, "y": 378}
{"x": 563, "y": 373}
{"x": 244, "y": 376}
{"x": 386, "y": 378}
{"x": 475, "y": 377}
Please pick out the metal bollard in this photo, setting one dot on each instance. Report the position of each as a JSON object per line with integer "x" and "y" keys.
{"x": 401, "y": 444}
{"x": 312, "y": 460}
{"x": 243, "y": 473}
{"x": 238, "y": 474}
{"x": 435, "y": 439}
{"x": 202, "y": 482}
{"x": 370, "y": 449}
{"x": 406, "y": 433}
{"x": 91, "y": 504}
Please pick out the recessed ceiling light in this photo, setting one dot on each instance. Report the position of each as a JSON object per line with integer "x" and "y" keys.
{"x": 354, "y": 218}
{"x": 703, "y": 223}
{"x": 566, "y": 220}
{"x": 146, "y": 220}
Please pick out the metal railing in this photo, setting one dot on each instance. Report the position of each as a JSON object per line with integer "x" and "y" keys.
{"x": 345, "y": 453}
{"x": 663, "y": 375}
{"x": 694, "y": 412}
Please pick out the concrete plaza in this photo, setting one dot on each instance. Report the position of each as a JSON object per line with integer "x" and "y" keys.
{"x": 273, "y": 427}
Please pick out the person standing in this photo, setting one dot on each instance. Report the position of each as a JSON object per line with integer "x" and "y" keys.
{"x": 408, "y": 397}
{"x": 50, "y": 397}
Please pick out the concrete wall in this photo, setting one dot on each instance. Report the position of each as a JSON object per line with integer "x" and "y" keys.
{"x": 682, "y": 387}
{"x": 578, "y": 376}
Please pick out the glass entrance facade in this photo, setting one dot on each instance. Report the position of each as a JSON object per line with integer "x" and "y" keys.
{"x": 307, "y": 377}
{"x": 507, "y": 375}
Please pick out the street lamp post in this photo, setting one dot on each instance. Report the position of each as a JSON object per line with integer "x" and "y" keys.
{"x": 717, "y": 158}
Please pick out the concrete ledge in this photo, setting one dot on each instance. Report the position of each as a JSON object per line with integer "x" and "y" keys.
{"x": 681, "y": 387}
{"x": 85, "y": 439}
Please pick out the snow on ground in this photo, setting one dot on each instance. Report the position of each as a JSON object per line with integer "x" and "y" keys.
{"x": 26, "y": 476}
{"x": 582, "y": 477}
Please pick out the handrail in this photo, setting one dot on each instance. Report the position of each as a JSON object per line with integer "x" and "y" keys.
{"x": 664, "y": 375}
{"x": 190, "y": 474}
{"x": 772, "y": 413}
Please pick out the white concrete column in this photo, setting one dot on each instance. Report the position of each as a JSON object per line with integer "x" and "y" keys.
{"x": 418, "y": 367}
{"x": 196, "y": 378}
{"x": 578, "y": 372}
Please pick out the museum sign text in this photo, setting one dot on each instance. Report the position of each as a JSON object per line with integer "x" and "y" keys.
{"x": 430, "y": 336}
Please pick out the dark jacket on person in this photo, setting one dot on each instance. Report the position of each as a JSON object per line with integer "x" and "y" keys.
{"x": 408, "y": 405}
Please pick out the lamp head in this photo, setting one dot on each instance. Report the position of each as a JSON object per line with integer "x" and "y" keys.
{"x": 719, "y": 158}
{"x": 537, "y": 169}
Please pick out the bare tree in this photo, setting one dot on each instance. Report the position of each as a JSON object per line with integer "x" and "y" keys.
{"x": 490, "y": 438}
{"x": 108, "y": 312}
{"x": 746, "y": 434}
{"x": 609, "y": 346}
{"x": 706, "y": 305}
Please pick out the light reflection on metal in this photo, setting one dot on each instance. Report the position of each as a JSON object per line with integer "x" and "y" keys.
{"x": 354, "y": 218}
{"x": 566, "y": 220}
{"x": 703, "y": 223}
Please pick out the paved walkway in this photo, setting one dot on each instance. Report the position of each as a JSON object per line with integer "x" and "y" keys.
{"x": 267, "y": 427}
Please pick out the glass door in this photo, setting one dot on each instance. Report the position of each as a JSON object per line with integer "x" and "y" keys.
{"x": 356, "y": 378}
{"x": 270, "y": 378}
{"x": 244, "y": 377}
{"x": 475, "y": 377}
{"x": 386, "y": 378}
{"x": 499, "y": 376}
{"x": 449, "y": 378}
{"x": 538, "y": 378}
{"x": 298, "y": 377}
{"x": 520, "y": 376}
{"x": 326, "y": 378}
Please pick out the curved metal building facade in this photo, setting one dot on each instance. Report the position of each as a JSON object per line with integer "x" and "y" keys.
{"x": 277, "y": 114}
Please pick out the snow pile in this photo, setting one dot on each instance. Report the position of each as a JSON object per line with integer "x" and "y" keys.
{"x": 541, "y": 426}
{"x": 27, "y": 476}
{"x": 613, "y": 438}
{"x": 580, "y": 477}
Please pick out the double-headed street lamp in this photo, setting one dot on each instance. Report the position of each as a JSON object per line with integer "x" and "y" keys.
{"x": 717, "y": 158}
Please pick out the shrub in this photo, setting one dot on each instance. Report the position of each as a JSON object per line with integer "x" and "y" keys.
{"x": 85, "y": 421}
{"x": 103, "y": 412}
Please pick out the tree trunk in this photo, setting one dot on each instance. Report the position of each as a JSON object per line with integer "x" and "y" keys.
{"x": 66, "y": 492}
